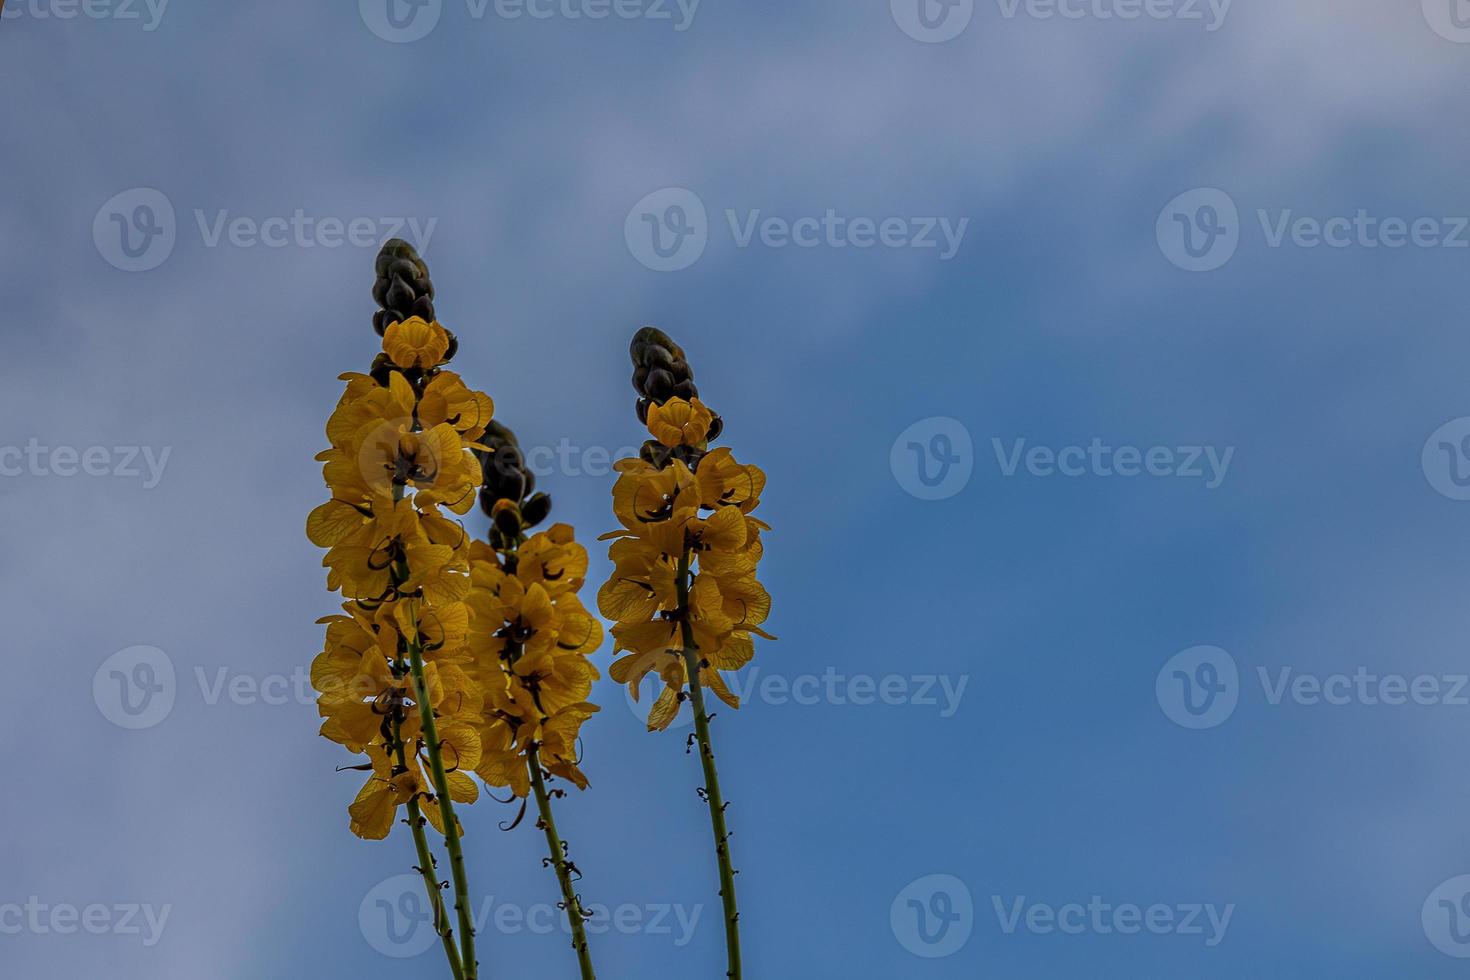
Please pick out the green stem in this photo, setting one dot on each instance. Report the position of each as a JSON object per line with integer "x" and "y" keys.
{"x": 465, "y": 965}
{"x": 711, "y": 778}
{"x": 570, "y": 899}
{"x": 446, "y": 809}
{"x": 426, "y": 868}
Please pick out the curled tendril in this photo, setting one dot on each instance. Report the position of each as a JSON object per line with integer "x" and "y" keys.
{"x": 519, "y": 816}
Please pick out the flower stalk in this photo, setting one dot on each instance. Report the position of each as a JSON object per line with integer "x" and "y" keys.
{"x": 532, "y": 638}
{"x": 571, "y": 901}
{"x": 684, "y": 590}
{"x": 452, "y": 829}
{"x": 416, "y": 823}
{"x": 391, "y": 678}
{"x": 712, "y": 794}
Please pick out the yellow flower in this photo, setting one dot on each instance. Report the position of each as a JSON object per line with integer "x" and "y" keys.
{"x": 678, "y": 422}
{"x": 703, "y": 515}
{"x": 390, "y": 786}
{"x": 414, "y": 343}
{"x": 401, "y": 450}
{"x": 530, "y": 637}
{"x": 722, "y": 481}
{"x": 447, "y": 399}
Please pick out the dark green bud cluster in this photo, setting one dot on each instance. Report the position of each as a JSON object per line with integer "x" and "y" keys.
{"x": 402, "y": 290}
{"x": 660, "y": 372}
{"x": 507, "y": 478}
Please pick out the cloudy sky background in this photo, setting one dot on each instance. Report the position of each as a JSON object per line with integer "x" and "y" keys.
{"x": 1057, "y": 599}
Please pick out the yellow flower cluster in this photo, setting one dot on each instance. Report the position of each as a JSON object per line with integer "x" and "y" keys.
{"x": 531, "y": 636}
{"x": 676, "y": 520}
{"x": 401, "y": 443}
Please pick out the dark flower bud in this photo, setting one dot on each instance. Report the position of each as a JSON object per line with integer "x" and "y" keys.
{"x": 715, "y": 428}
{"x": 659, "y": 386}
{"x": 403, "y": 288}
{"x": 535, "y": 509}
{"x": 400, "y": 296}
{"x": 660, "y": 370}
{"x": 381, "y": 369}
{"x": 507, "y": 520}
{"x": 656, "y": 453}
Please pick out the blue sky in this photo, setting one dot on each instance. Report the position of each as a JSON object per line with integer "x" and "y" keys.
{"x": 1072, "y": 151}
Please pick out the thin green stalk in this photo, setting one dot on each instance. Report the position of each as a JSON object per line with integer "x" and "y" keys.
{"x": 712, "y": 792}
{"x": 465, "y": 965}
{"x": 431, "y": 880}
{"x": 572, "y": 902}
{"x": 446, "y": 809}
